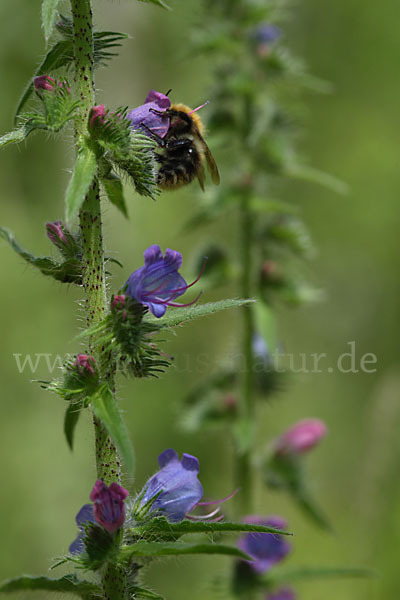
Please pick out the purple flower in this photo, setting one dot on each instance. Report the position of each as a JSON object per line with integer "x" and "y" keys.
{"x": 300, "y": 438}
{"x": 158, "y": 283}
{"x": 266, "y": 549}
{"x": 97, "y": 116}
{"x": 143, "y": 118}
{"x": 267, "y": 33}
{"x": 109, "y": 507}
{"x": 84, "y": 516}
{"x": 282, "y": 594}
{"x": 177, "y": 485}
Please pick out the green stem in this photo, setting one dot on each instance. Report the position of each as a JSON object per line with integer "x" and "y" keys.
{"x": 107, "y": 459}
{"x": 247, "y": 406}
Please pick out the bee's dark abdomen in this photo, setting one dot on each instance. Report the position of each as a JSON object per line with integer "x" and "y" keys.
{"x": 178, "y": 168}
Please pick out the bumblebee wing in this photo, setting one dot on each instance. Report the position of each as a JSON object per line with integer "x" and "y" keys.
{"x": 211, "y": 164}
{"x": 201, "y": 176}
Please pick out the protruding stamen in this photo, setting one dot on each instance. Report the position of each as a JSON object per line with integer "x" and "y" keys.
{"x": 218, "y": 501}
{"x": 199, "y": 107}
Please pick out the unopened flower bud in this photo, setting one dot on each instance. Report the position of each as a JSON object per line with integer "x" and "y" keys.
{"x": 44, "y": 82}
{"x": 118, "y": 301}
{"x": 97, "y": 116}
{"x": 230, "y": 402}
{"x": 300, "y": 438}
{"x": 264, "y": 36}
{"x": 109, "y": 507}
{"x": 85, "y": 364}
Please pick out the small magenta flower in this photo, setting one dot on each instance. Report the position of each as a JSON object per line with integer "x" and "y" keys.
{"x": 282, "y": 594}
{"x": 266, "y": 549}
{"x": 97, "y": 115}
{"x": 158, "y": 283}
{"x": 44, "y": 82}
{"x": 300, "y": 438}
{"x": 84, "y": 516}
{"x": 85, "y": 364}
{"x": 145, "y": 119}
{"x": 109, "y": 507}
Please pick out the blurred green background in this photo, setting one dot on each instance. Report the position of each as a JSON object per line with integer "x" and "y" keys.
{"x": 353, "y": 134}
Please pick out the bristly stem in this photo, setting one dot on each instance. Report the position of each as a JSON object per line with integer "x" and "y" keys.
{"x": 107, "y": 459}
{"x": 247, "y": 397}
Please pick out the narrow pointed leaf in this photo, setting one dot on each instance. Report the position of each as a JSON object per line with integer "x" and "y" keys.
{"x": 49, "y": 16}
{"x": 161, "y": 524}
{"x": 81, "y": 180}
{"x": 177, "y": 548}
{"x": 16, "y": 136}
{"x": 140, "y": 592}
{"x": 115, "y": 193}
{"x": 158, "y": 3}
{"x": 71, "y": 419}
{"x": 69, "y": 584}
{"x": 181, "y": 315}
{"x": 312, "y": 175}
{"x": 68, "y": 271}
{"x": 106, "y": 409}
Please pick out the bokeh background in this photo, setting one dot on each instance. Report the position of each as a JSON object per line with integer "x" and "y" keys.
{"x": 351, "y": 133}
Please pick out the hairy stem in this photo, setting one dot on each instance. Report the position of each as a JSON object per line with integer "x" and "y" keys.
{"x": 107, "y": 459}
{"x": 247, "y": 406}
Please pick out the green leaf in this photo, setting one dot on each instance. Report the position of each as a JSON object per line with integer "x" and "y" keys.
{"x": 175, "y": 548}
{"x": 59, "y": 55}
{"x": 161, "y": 524}
{"x": 69, "y": 584}
{"x": 16, "y": 136}
{"x": 105, "y": 409}
{"x": 71, "y": 419}
{"x": 68, "y": 271}
{"x": 81, "y": 180}
{"x": 309, "y": 573}
{"x": 312, "y": 175}
{"x": 49, "y": 16}
{"x": 140, "y": 592}
{"x": 158, "y": 3}
{"x": 181, "y": 315}
{"x": 115, "y": 193}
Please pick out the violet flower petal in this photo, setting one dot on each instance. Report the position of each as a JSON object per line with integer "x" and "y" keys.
{"x": 85, "y": 515}
{"x": 178, "y": 483}
{"x": 266, "y": 549}
{"x": 142, "y": 115}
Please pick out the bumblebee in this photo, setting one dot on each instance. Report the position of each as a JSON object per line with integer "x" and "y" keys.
{"x": 183, "y": 150}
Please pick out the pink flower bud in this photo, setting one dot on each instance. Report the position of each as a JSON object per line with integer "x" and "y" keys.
{"x": 44, "y": 82}
{"x": 118, "y": 301}
{"x": 85, "y": 364}
{"x": 109, "y": 508}
{"x": 56, "y": 233}
{"x": 97, "y": 116}
{"x": 301, "y": 437}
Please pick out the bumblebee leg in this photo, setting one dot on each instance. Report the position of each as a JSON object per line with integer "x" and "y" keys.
{"x": 153, "y": 134}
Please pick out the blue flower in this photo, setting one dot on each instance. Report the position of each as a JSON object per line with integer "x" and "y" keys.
{"x": 85, "y": 515}
{"x": 175, "y": 486}
{"x": 266, "y": 549}
{"x": 267, "y": 33}
{"x": 158, "y": 283}
{"x": 145, "y": 119}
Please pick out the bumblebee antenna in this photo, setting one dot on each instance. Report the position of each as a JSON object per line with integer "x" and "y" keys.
{"x": 169, "y": 91}
{"x": 199, "y": 107}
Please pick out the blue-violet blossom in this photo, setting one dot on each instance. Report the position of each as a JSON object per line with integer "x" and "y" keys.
{"x": 145, "y": 119}
{"x": 158, "y": 282}
{"x": 84, "y": 516}
{"x": 266, "y": 549}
